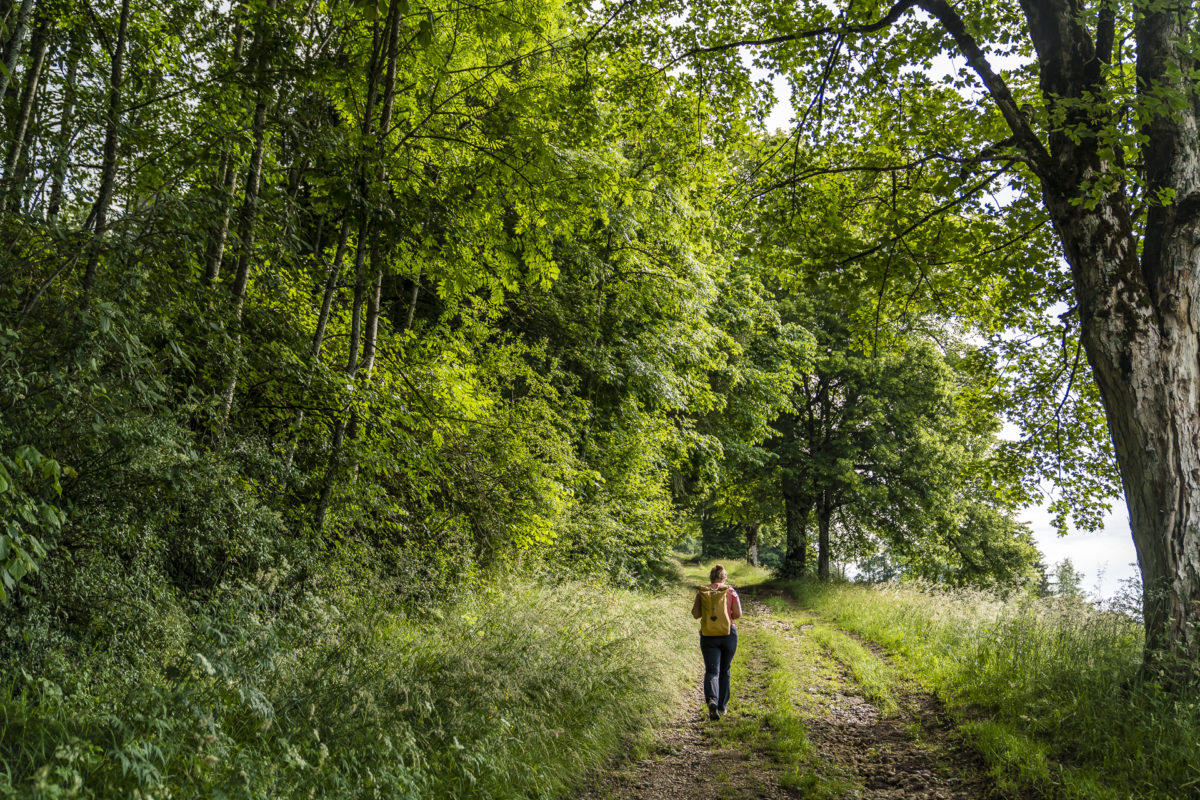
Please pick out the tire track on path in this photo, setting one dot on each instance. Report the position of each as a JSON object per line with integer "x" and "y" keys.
{"x": 857, "y": 752}
{"x": 691, "y": 757}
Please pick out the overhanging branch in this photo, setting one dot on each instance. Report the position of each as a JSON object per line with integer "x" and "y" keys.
{"x": 1023, "y": 134}
{"x": 894, "y": 14}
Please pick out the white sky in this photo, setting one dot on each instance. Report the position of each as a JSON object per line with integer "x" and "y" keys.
{"x": 1104, "y": 557}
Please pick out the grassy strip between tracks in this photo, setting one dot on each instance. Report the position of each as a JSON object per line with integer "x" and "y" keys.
{"x": 766, "y": 712}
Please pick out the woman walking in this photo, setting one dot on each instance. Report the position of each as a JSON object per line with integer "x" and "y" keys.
{"x": 717, "y": 606}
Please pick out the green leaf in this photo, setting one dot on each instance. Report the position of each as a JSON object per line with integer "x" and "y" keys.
{"x": 425, "y": 30}
{"x": 17, "y": 569}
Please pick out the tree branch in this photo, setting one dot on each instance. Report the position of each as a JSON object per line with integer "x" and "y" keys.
{"x": 1024, "y": 136}
{"x": 949, "y": 204}
{"x": 990, "y": 153}
{"x": 894, "y": 14}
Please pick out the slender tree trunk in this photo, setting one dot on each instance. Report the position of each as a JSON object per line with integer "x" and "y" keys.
{"x": 227, "y": 176}
{"x": 360, "y": 289}
{"x": 12, "y": 47}
{"x": 331, "y": 282}
{"x": 38, "y": 48}
{"x": 322, "y": 512}
{"x": 108, "y": 170}
{"x": 824, "y": 514}
{"x": 248, "y": 214}
{"x": 30, "y": 186}
{"x": 752, "y": 544}
{"x": 70, "y": 90}
{"x": 795, "y": 560}
{"x": 6, "y": 7}
{"x": 372, "y": 336}
{"x": 361, "y": 246}
{"x": 382, "y": 47}
{"x": 296, "y": 175}
{"x": 226, "y": 182}
{"x": 412, "y": 302}
{"x": 391, "y": 36}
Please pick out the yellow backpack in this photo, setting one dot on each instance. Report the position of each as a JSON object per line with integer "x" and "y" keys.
{"x": 714, "y": 611}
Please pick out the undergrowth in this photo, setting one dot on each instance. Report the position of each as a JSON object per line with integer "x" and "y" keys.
{"x": 1047, "y": 692}
{"x": 511, "y": 693}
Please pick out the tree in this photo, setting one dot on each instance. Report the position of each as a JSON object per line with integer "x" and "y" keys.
{"x": 429, "y": 283}
{"x": 733, "y": 476}
{"x": 1068, "y": 582}
{"x": 870, "y": 434}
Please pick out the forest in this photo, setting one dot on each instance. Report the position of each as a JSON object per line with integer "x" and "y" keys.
{"x": 358, "y": 358}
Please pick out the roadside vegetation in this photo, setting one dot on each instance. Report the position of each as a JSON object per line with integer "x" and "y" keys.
{"x": 1046, "y": 690}
{"x": 511, "y": 693}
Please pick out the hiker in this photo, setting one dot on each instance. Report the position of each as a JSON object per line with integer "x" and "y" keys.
{"x": 717, "y": 606}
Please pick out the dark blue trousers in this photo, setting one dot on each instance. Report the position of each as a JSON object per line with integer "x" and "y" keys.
{"x": 718, "y": 654}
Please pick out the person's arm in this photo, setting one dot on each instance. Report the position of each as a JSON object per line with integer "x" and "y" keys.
{"x": 696, "y": 607}
{"x": 735, "y": 604}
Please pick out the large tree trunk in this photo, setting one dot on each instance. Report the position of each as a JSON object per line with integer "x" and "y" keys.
{"x": 1138, "y": 311}
{"x": 707, "y": 534}
{"x": 1139, "y": 316}
{"x": 1142, "y": 345}
{"x": 795, "y": 559}
{"x": 752, "y": 544}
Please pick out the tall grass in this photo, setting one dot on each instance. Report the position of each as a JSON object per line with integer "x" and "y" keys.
{"x": 511, "y": 693}
{"x": 740, "y": 573}
{"x": 1047, "y": 691}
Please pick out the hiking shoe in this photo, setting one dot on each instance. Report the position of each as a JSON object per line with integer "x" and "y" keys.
{"x": 721, "y": 711}
{"x": 712, "y": 711}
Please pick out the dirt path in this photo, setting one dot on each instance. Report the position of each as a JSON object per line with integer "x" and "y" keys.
{"x": 688, "y": 763}
{"x": 848, "y": 747}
